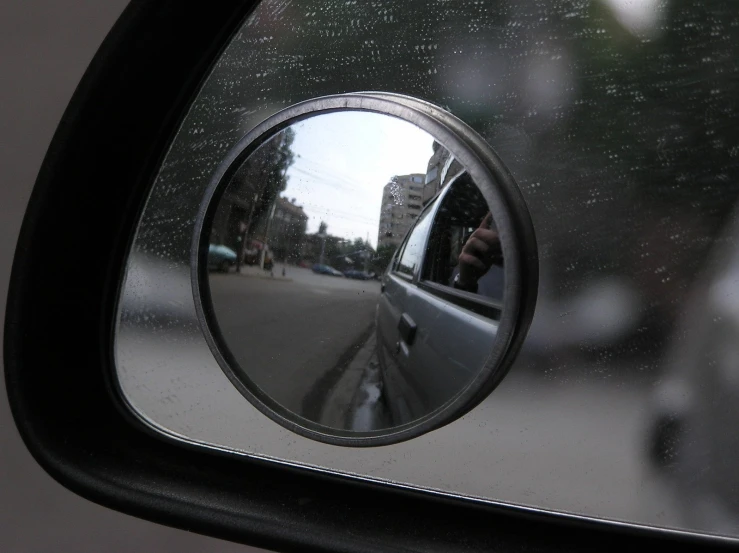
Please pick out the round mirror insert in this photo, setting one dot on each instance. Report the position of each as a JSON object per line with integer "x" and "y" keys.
{"x": 357, "y": 270}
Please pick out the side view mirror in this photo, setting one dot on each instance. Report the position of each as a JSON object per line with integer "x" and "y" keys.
{"x": 257, "y": 298}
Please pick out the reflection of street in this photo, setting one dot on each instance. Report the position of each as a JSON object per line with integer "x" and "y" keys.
{"x": 295, "y": 336}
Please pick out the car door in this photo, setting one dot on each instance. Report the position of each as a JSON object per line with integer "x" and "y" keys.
{"x": 434, "y": 338}
{"x": 396, "y": 327}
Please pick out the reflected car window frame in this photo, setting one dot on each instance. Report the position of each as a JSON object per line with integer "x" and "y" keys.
{"x": 428, "y": 213}
{"x": 477, "y": 303}
{"x": 470, "y": 301}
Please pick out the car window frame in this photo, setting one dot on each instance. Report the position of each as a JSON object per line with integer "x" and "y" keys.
{"x": 428, "y": 210}
{"x": 470, "y": 301}
{"x": 477, "y": 303}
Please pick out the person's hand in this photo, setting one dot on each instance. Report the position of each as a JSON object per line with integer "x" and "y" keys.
{"x": 481, "y": 250}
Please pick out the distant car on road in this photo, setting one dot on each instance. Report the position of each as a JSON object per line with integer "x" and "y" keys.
{"x": 220, "y": 257}
{"x": 326, "y": 270}
{"x": 357, "y": 275}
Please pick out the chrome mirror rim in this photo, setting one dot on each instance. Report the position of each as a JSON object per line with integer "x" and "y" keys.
{"x": 494, "y": 182}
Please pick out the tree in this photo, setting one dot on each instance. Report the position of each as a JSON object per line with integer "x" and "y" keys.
{"x": 382, "y": 258}
{"x": 267, "y": 169}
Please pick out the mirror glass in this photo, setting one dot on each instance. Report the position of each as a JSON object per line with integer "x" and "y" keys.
{"x": 354, "y": 272}
{"x": 619, "y": 121}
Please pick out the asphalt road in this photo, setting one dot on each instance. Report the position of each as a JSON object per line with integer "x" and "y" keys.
{"x": 270, "y": 327}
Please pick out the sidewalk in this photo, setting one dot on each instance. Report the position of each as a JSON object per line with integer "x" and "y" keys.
{"x": 355, "y": 402}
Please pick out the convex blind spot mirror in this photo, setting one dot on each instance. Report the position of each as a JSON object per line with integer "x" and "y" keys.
{"x": 364, "y": 269}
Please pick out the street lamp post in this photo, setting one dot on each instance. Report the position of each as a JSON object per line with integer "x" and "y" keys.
{"x": 263, "y": 252}
{"x": 245, "y": 241}
{"x": 323, "y": 246}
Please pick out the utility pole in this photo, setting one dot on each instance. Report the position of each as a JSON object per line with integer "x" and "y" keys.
{"x": 263, "y": 253}
{"x": 245, "y": 239}
{"x": 323, "y": 246}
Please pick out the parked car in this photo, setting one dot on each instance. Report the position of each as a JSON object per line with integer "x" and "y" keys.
{"x": 221, "y": 258}
{"x": 418, "y": 287}
{"x": 322, "y": 269}
{"x": 357, "y": 275}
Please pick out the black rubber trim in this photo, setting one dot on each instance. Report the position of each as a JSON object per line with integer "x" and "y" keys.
{"x": 469, "y": 300}
{"x": 57, "y": 331}
{"x": 408, "y": 278}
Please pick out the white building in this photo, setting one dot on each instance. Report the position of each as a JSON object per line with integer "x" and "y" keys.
{"x": 402, "y": 201}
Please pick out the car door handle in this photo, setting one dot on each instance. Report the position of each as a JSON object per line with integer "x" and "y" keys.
{"x": 407, "y": 328}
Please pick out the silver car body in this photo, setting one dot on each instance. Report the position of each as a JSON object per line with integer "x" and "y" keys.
{"x": 425, "y": 368}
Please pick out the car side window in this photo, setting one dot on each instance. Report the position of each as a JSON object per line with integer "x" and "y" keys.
{"x": 462, "y": 211}
{"x": 412, "y": 254}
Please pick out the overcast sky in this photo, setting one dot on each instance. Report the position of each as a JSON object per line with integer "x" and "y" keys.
{"x": 343, "y": 161}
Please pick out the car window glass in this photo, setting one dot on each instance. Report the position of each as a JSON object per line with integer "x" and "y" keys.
{"x": 462, "y": 212}
{"x": 395, "y": 260}
{"x": 413, "y": 250}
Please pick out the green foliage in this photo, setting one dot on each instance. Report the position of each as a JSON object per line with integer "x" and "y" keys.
{"x": 382, "y": 258}
{"x": 267, "y": 167}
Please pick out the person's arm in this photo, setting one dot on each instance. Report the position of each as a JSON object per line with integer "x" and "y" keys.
{"x": 481, "y": 250}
